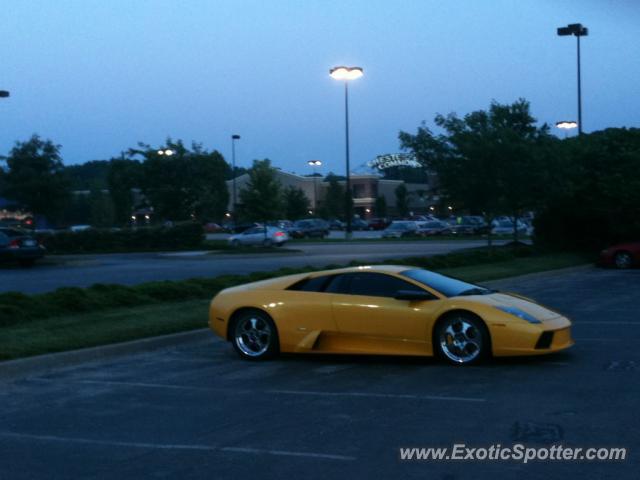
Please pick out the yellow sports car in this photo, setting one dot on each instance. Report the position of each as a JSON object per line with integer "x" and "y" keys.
{"x": 387, "y": 309}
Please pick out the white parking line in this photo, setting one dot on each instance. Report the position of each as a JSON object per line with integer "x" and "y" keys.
{"x": 161, "y": 446}
{"x": 613, "y": 322}
{"x": 282, "y": 392}
{"x": 378, "y": 395}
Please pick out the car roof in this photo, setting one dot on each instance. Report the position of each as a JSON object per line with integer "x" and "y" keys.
{"x": 364, "y": 268}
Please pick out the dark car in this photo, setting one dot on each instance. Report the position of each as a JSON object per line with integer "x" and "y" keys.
{"x": 623, "y": 255}
{"x": 19, "y": 246}
{"x": 378, "y": 223}
{"x": 308, "y": 228}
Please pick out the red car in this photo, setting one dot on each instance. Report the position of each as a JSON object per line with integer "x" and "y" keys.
{"x": 624, "y": 255}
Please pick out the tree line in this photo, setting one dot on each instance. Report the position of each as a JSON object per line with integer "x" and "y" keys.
{"x": 584, "y": 190}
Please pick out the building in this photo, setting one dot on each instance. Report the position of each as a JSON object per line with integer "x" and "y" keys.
{"x": 366, "y": 188}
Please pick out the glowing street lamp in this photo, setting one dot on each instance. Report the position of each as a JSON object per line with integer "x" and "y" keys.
{"x": 347, "y": 74}
{"x": 167, "y": 151}
{"x": 566, "y": 125}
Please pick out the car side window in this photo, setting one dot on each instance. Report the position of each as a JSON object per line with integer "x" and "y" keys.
{"x": 316, "y": 284}
{"x": 370, "y": 284}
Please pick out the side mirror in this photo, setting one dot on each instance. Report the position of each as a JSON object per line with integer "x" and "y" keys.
{"x": 413, "y": 295}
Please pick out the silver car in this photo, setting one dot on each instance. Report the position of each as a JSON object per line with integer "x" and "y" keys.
{"x": 399, "y": 229}
{"x": 258, "y": 236}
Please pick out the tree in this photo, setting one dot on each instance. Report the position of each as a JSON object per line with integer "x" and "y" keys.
{"x": 101, "y": 208}
{"x": 595, "y": 201}
{"x": 35, "y": 177}
{"x": 489, "y": 161}
{"x": 380, "y": 206}
{"x": 123, "y": 175}
{"x": 189, "y": 183}
{"x": 261, "y": 198}
{"x": 296, "y": 203}
{"x": 88, "y": 175}
{"x": 334, "y": 203}
{"x": 402, "y": 200}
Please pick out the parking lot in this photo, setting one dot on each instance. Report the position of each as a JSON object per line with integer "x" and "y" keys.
{"x": 197, "y": 411}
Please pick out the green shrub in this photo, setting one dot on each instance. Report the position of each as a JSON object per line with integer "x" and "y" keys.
{"x": 181, "y": 236}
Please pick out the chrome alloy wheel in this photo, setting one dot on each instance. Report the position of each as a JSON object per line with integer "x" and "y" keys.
{"x": 253, "y": 336}
{"x": 460, "y": 340}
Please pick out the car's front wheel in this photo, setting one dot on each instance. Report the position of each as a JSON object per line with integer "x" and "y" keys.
{"x": 623, "y": 260}
{"x": 462, "y": 339}
{"x": 255, "y": 336}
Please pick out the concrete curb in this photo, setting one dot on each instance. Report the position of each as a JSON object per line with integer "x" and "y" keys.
{"x": 16, "y": 369}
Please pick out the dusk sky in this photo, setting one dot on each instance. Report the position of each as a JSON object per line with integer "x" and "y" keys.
{"x": 99, "y": 76}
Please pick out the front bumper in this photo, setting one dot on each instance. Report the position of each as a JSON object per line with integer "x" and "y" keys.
{"x": 521, "y": 338}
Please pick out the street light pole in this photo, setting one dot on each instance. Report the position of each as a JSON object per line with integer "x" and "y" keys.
{"x": 579, "y": 31}
{"x": 234, "y": 137}
{"x": 314, "y": 164}
{"x": 346, "y": 74}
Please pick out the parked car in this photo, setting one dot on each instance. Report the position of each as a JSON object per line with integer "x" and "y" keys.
{"x": 623, "y": 255}
{"x": 239, "y": 227}
{"x": 310, "y": 227}
{"x": 19, "y": 246}
{"x": 265, "y": 236}
{"x": 359, "y": 224}
{"x": 467, "y": 225}
{"x": 79, "y": 228}
{"x": 335, "y": 224}
{"x": 283, "y": 224}
{"x": 505, "y": 227}
{"x": 378, "y": 223}
{"x": 432, "y": 227}
{"x": 401, "y": 228}
{"x": 212, "y": 227}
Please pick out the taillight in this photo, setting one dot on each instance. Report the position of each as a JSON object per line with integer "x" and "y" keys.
{"x": 15, "y": 243}
{"x": 279, "y": 234}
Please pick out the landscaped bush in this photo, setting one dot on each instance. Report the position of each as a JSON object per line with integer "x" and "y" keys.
{"x": 181, "y": 236}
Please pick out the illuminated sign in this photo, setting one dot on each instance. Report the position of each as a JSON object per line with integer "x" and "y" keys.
{"x": 390, "y": 160}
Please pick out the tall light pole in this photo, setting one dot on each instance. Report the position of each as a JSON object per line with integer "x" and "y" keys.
{"x": 346, "y": 74}
{"x": 314, "y": 164}
{"x": 579, "y": 31}
{"x": 234, "y": 137}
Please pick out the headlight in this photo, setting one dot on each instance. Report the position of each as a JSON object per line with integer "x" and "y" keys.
{"x": 519, "y": 313}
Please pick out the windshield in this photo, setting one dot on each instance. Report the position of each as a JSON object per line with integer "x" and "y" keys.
{"x": 449, "y": 287}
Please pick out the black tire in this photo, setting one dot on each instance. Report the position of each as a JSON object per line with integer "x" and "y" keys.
{"x": 247, "y": 339}
{"x": 27, "y": 262}
{"x": 235, "y": 243}
{"x": 267, "y": 242}
{"x": 474, "y": 341}
{"x": 623, "y": 260}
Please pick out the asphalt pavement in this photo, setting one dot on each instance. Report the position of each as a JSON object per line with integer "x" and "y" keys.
{"x": 132, "y": 268}
{"x": 196, "y": 411}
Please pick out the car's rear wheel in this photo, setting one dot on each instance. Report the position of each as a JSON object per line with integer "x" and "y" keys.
{"x": 235, "y": 243}
{"x": 255, "y": 336}
{"x": 267, "y": 242}
{"x": 462, "y": 339}
{"x": 623, "y": 260}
